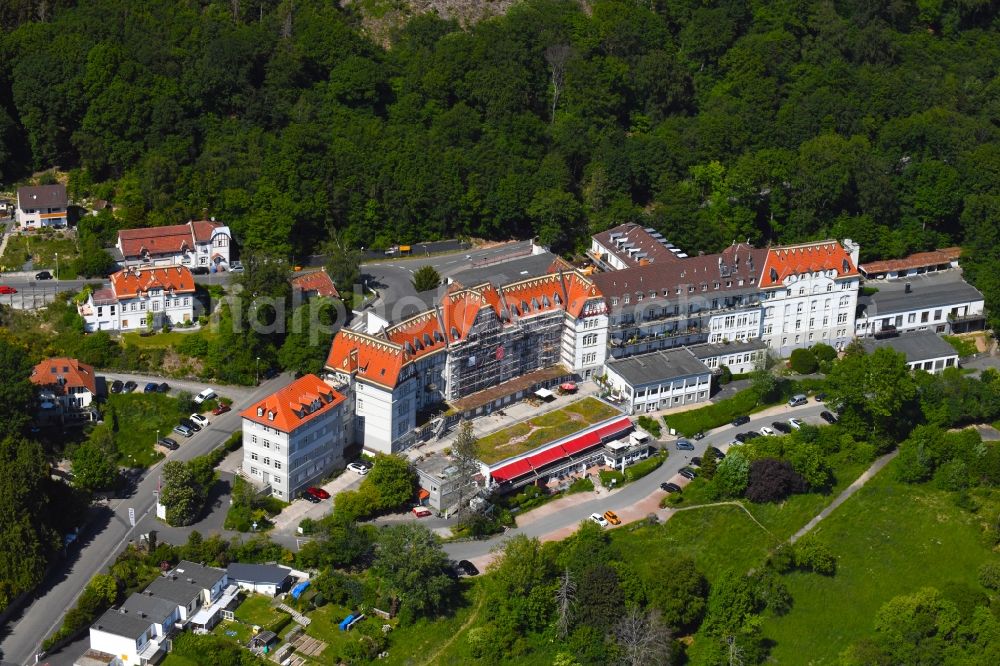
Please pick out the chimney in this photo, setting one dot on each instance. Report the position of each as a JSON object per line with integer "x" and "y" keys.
{"x": 909, "y": 288}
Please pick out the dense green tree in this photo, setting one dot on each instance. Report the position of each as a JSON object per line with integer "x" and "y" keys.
{"x": 17, "y": 393}
{"x": 392, "y": 482}
{"x": 426, "y": 278}
{"x": 412, "y": 564}
{"x": 93, "y": 461}
{"x": 679, "y": 591}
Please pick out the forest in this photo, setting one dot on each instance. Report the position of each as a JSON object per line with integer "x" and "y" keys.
{"x": 708, "y": 120}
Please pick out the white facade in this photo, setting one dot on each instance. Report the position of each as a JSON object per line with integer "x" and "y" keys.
{"x": 124, "y": 647}
{"x": 43, "y": 206}
{"x": 167, "y": 294}
{"x": 658, "y": 380}
{"x": 194, "y": 244}
{"x": 811, "y": 309}
{"x": 735, "y": 326}
{"x": 942, "y": 304}
{"x": 585, "y": 340}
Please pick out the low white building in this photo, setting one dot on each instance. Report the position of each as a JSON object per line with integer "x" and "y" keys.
{"x": 658, "y": 380}
{"x": 739, "y": 357}
{"x": 266, "y": 579}
{"x": 924, "y": 350}
{"x": 136, "y": 295}
{"x": 128, "y": 637}
{"x": 41, "y": 206}
{"x": 197, "y": 244}
{"x": 295, "y": 437}
{"x": 66, "y": 389}
{"x": 941, "y": 303}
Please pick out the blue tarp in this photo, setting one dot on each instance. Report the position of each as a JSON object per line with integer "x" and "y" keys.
{"x": 299, "y": 589}
{"x": 345, "y": 622}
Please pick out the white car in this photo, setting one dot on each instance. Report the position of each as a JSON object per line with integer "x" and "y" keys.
{"x": 599, "y": 519}
{"x": 357, "y": 468}
{"x": 199, "y": 419}
{"x": 767, "y": 432}
{"x": 236, "y": 267}
{"x": 207, "y": 394}
{"x": 735, "y": 442}
{"x": 795, "y": 423}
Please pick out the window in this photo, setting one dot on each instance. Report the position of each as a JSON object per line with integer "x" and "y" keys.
{"x": 253, "y": 456}
{"x": 912, "y": 318}
{"x": 924, "y": 316}
{"x": 829, "y": 287}
{"x": 590, "y": 340}
{"x": 277, "y": 464}
{"x": 798, "y": 325}
{"x": 253, "y": 438}
{"x": 253, "y": 471}
{"x": 156, "y": 306}
{"x": 845, "y": 301}
{"x": 267, "y": 444}
{"x": 798, "y": 309}
{"x": 267, "y": 461}
{"x": 937, "y": 315}
{"x": 802, "y": 290}
{"x": 842, "y": 318}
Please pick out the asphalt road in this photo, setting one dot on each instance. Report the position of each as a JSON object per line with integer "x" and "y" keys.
{"x": 631, "y": 493}
{"x": 108, "y": 532}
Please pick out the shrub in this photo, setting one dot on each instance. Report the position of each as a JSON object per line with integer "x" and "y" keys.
{"x": 712, "y": 416}
{"x": 803, "y": 361}
{"x": 607, "y": 476}
{"x": 725, "y": 375}
{"x": 649, "y": 425}
{"x": 307, "y": 525}
{"x": 580, "y": 486}
{"x": 814, "y": 555}
{"x": 772, "y": 480}
{"x": 644, "y": 467}
{"x": 823, "y": 353}
{"x": 989, "y": 576}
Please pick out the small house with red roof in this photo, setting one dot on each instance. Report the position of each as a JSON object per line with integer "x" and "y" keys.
{"x": 311, "y": 284}
{"x": 197, "y": 244}
{"x": 66, "y": 389}
{"x": 138, "y": 295}
{"x": 294, "y": 437}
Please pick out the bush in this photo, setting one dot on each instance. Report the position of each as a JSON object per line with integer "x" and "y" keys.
{"x": 607, "y": 476}
{"x": 824, "y": 353}
{"x": 989, "y": 576}
{"x": 307, "y": 525}
{"x": 650, "y": 426}
{"x": 814, "y": 555}
{"x": 772, "y": 480}
{"x": 580, "y": 486}
{"x": 644, "y": 467}
{"x": 725, "y": 375}
{"x": 803, "y": 361}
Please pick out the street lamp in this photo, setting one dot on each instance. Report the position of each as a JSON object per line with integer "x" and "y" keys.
{"x": 257, "y": 371}
{"x": 157, "y": 437}
{"x": 57, "y": 266}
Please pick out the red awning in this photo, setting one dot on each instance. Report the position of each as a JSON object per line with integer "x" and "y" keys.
{"x": 512, "y": 471}
{"x": 568, "y": 386}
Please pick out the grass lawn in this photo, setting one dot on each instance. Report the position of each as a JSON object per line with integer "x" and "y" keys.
{"x": 543, "y": 428}
{"x": 962, "y": 346}
{"x": 42, "y": 251}
{"x": 160, "y": 340}
{"x": 889, "y": 539}
{"x": 256, "y": 609}
{"x": 138, "y": 416}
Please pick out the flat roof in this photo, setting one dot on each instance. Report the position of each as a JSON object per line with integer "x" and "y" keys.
{"x": 155, "y": 608}
{"x": 185, "y": 581}
{"x": 507, "y": 272}
{"x": 121, "y": 624}
{"x": 712, "y": 349}
{"x": 437, "y": 465}
{"x": 658, "y": 366}
{"x": 258, "y": 573}
{"x": 927, "y": 291}
{"x": 916, "y": 346}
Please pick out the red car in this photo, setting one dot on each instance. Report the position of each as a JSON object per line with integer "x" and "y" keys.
{"x": 4, "y": 289}
{"x": 318, "y": 493}
{"x": 421, "y": 511}
{"x": 221, "y": 409}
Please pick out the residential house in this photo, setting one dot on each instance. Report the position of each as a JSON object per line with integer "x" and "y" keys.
{"x": 66, "y": 390}
{"x": 941, "y": 302}
{"x": 141, "y": 298}
{"x": 924, "y": 350}
{"x": 658, "y": 380}
{"x": 128, "y": 637}
{"x": 197, "y": 244}
{"x": 42, "y": 206}
{"x": 310, "y": 284}
{"x": 266, "y": 579}
{"x": 200, "y": 593}
{"x": 295, "y": 436}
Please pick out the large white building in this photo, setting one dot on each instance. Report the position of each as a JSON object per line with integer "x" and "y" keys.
{"x": 166, "y": 293}
{"x": 476, "y": 338}
{"x": 295, "y": 437}
{"x": 658, "y": 380}
{"x": 197, "y": 244}
{"x": 941, "y": 302}
{"x": 41, "y": 206}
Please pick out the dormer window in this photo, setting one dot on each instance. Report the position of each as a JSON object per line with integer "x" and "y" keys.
{"x": 260, "y": 411}
{"x": 846, "y": 266}
{"x": 270, "y": 416}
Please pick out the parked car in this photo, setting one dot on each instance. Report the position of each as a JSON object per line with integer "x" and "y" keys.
{"x": 43, "y": 275}
{"x": 236, "y": 267}
{"x": 698, "y": 436}
{"x": 168, "y": 443}
{"x": 828, "y": 416}
{"x": 183, "y": 430}
{"x": 221, "y": 409}
{"x": 781, "y": 426}
{"x": 670, "y": 487}
{"x": 190, "y": 425}
{"x": 767, "y": 432}
{"x": 820, "y": 397}
{"x": 719, "y": 455}
{"x": 271, "y": 373}
{"x": 795, "y": 423}
{"x": 309, "y": 498}
{"x": 612, "y": 518}
{"x": 741, "y": 438}
{"x": 150, "y": 387}
{"x": 735, "y": 442}
{"x": 688, "y": 473}
{"x": 358, "y": 468}
{"x": 129, "y": 387}
{"x": 599, "y": 519}
{"x": 207, "y": 394}
{"x": 162, "y": 387}
{"x": 468, "y": 568}
{"x": 797, "y": 400}
{"x": 684, "y": 445}
{"x": 6, "y": 289}
{"x": 740, "y": 420}
{"x": 199, "y": 419}
{"x": 117, "y": 386}
{"x": 318, "y": 492}
{"x": 199, "y": 270}
{"x": 421, "y": 511}
{"x": 696, "y": 461}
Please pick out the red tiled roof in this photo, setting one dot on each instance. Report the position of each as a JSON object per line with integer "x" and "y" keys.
{"x": 419, "y": 335}
{"x": 805, "y": 258}
{"x": 534, "y": 295}
{"x": 73, "y": 373}
{"x": 128, "y": 283}
{"x": 459, "y": 309}
{"x": 919, "y": 260}
{"x": 375, "y": 360}
{"x": 579, "y": 290}
{"x": 317, "y": 281}
{"x": 636, "y": 236}
{"x": 167, "y": 239}
{"x": 296, "y": 404}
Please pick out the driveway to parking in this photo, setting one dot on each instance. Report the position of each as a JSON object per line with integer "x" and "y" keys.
{"x": 558, "y": 519}
{"x": 238, "y": 394}
{"x": 287, "y": 522}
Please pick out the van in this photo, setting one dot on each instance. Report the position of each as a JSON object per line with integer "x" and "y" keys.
{"x": 207, "y": 394}
{"x": 797, "y": 400}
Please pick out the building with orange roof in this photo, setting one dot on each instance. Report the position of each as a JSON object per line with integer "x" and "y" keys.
{"x": 476, "y": 337}
{"x": 166, "y": 293}
{"x": 314, "y": 283}
{"x": 197, "y": 244}
{"x": 66, "y": 389}
{"x": 296, "y": 436}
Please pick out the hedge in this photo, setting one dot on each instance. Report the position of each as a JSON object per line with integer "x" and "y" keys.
{"x": 608, "y": 475}
{"x": 644, "y": 467}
